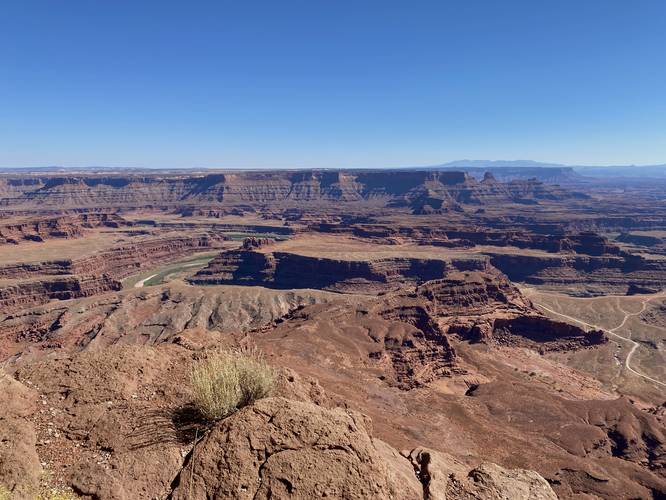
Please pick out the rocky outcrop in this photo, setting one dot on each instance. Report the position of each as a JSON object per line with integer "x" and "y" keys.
{"x": 445, "y": 477}
{"x": 290, "y": 270}
{"x": 486, "y": 307}
{"x": 550, "y": 239}
{"x": 24, "y": 294}
{"x": 118, "y": 425}
{"x": 58, "y": 227}
{"x": 583, "y": 275}
{"x": 279, "y": 448}
{"x": 171, "y": 313}
{"x": 31, "y": 284}
{"x": 252, "y": 243}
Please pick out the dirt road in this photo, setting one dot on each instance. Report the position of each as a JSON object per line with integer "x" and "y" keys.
{"x": 612, "y": 332}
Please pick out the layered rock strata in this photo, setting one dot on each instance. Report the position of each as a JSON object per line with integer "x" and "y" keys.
{"x": 58, "y": 227}
{"x": 30, "y": 284}
{"x": 581, "y": 263}
{"x": 486, "y": 307}
{"x": 24, "y": 294}
{"x": 398, "y": 188}
{"x": 454, "y": 236}
{"x": 289, "y": 270}
{"x": 117, "y": 262}
{"x": 584, "y": 275}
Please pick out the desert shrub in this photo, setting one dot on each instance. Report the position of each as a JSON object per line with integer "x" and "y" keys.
{"x": 227, "y": 381}
{"x": 58, "y": 494}
{"x": 5, "y": 494}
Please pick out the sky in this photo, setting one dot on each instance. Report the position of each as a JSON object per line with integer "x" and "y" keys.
{"x": 331, "y": 83}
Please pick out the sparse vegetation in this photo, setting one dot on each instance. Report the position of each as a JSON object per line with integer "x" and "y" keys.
{"x": 227, "y": 381}
{"x": 44, "y": 494}
{"x": 58, "y": 494}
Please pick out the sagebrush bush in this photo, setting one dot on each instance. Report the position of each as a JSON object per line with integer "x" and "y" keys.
{"x": 227, "y": 381}
{"x": 5, "y": 494}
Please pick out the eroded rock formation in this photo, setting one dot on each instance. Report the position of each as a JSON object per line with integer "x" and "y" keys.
{"x": 30, "y": 284}
{"x": 290, "y": 270}
{"x": 127, "y": 411}
{"x": 58, "y": 227}
{"x": 172, "y": 313}
{"x": 398, "y": 188}
{"x": 582, "y": 274}
{"x": 486, "y": 307}
{"x": 24, "y": 294}
{"x": 429, "y": 349}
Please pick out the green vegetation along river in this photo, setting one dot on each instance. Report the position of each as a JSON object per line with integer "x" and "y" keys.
{"x": 164, "y": 273}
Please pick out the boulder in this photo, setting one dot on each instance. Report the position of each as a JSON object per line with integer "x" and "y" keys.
{"x": 445, "y": 477}
{"x": 279, "y": 448}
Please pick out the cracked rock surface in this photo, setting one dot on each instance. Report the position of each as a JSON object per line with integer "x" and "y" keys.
{"x": 278, "y": 448}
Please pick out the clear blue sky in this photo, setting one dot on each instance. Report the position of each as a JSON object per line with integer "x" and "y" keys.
{"x": 331, "y": 83}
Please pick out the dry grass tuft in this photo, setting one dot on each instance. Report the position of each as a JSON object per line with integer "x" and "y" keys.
{"x": 230, "y": 380}
{"x": 5, "y": 494}
{"x": 58, "y": 494}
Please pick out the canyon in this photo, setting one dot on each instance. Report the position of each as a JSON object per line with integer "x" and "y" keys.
{"x": 436, "y": 333}
{"x": 412, "y": 189}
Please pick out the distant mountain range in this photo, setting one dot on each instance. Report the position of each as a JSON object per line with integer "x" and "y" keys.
{"x": 499, "y": 164}
{"x": 515, "y": 167}
{"x": 503, "y": 170}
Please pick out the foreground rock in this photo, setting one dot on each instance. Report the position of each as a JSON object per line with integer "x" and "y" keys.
{"x": 493, "y": 399}
{"x": 117, "y": 423}
{"x": 19, "y": 464}
{"x": 285, "y": 449}
{"x": 444, "y": 477}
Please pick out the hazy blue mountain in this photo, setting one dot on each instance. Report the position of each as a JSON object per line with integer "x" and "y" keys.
{"x": 552, "y": 172}
{"x": 499, "y": 164}
{"x": 644, "y": 171}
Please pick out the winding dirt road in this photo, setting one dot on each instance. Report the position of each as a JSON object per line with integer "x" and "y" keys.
{"x": 612, "y": 332}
